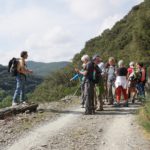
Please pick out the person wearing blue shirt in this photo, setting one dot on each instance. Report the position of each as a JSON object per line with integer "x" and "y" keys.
{"x": 81, "y": 78}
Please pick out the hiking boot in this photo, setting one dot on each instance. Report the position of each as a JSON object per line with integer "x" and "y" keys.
{"x": 93, "y": 112}
{"x": 88, "y": 112}
{"x": 133, "y": 101}
{"x": 110, "y": 103}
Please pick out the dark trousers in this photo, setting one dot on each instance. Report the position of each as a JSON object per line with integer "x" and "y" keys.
{"x": 82, "y": 94}
{"x": 141, "y": 89}
{"x": 89, "y": 96}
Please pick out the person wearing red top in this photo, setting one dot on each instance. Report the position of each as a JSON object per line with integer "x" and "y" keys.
{"x": 130, "y": 69}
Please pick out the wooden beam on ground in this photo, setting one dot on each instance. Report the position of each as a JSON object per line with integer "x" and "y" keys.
{"x": 10, "y": 111}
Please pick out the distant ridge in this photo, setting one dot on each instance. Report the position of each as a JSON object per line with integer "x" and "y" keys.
{"x": 8, "y": 83}
{"x": 44, "y": 69}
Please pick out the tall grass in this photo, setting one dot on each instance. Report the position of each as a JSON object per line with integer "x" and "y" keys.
{"x": 6, "y": 102}
{"x": 144, "y": 115}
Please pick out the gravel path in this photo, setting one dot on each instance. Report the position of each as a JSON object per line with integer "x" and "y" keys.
{"x": 111, "y": 129}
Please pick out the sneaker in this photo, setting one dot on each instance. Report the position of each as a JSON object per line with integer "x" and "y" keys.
{"x": 14, "y": 104}
{"x": 117, "y": 104}
{"x": 99, "y": 109}
{"x": 82, "y": 106}
{"x": 25, "y": 103}
{"x": 125, "y": 104}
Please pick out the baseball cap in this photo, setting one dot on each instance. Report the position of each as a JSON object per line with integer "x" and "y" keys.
{"x": 95, "y": 56}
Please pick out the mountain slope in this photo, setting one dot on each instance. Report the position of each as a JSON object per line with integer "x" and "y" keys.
{"x": 129, "y": 39}
{"x": 43, "y": 69}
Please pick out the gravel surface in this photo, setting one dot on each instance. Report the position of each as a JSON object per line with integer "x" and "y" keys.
{"x": 111, "y": 129}
{"x": 15, "y": 127}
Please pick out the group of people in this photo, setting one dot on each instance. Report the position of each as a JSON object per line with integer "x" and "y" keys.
{"x": 99, "y": 81}
{"x": 114, "y": 81}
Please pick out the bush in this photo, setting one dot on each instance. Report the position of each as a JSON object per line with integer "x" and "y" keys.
{"x": 55, "y": 86}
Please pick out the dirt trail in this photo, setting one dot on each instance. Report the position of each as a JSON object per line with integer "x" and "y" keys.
{"x": 111, "y": 129}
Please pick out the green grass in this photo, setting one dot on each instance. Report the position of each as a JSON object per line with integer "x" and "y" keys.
{"x": 6, "y": 102}
{"x": 144, "y": 116}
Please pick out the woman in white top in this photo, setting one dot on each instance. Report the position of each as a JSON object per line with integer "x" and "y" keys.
{"x": 121, "y": 83}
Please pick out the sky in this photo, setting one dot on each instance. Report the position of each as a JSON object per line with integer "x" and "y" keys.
{"x": 55, "y": 30}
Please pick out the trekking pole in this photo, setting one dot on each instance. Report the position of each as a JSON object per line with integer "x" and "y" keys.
{"x": 67, "y": 98}
{"x": 76, "y": 91}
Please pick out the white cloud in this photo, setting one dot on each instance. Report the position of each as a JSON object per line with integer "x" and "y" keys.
{"x": 51, "y": 45}
{"x": 88, "y": 9}
{"x": 51, "y": 32}
{"x": 109, "y": 22}
{"x": 139, "y": 1}
{"x": 37, "y": 31}
{"x": 97, "y": 9}
{"x": 23, "y": 22}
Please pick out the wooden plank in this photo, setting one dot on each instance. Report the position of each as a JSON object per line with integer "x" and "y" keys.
{"x": 10, "y": 111}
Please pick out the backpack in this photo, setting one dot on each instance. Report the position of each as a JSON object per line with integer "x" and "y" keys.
{"x": 142, "y": 75}
{"x": 133, "y": 76}
{"x": 12, "y": 66}
{"x": 97, "y": 74}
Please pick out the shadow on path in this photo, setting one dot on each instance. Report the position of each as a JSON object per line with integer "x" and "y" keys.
{"x": 108, "y": 110}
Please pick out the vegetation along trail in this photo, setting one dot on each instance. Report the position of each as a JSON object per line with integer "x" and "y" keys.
{"x": 111, "y": 129}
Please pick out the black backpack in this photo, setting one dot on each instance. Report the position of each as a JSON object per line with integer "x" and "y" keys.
{"x": 97, "y": 74}
{"x": 12, "y": 66}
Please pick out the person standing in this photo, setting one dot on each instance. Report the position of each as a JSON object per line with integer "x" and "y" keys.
{"x": 90, "y": 69}
{"x": 141, "y": 71}
{"x": 85, "y": 59}
{"x": 132, "y": 80}
{"x": 22, "y": 71}
{"x": 100, "y": 89}
{"x": 81, "y": 79}
{"x": 121, "y": 83}
{"x": 111, "y": 77}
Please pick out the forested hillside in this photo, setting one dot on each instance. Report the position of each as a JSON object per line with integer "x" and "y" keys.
{"x": 129, "y": 40}
{"x": 8, "y": 83}
{"x": 44, "y": 69}
{"x": 40, "y": 70}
